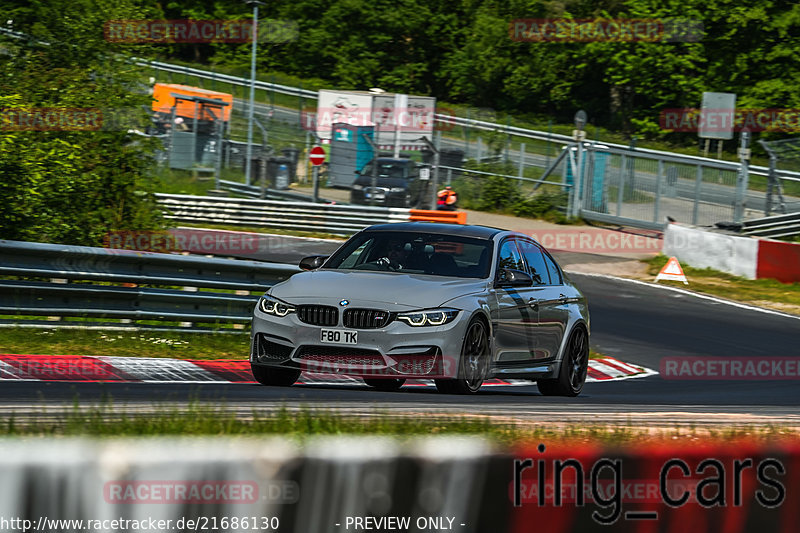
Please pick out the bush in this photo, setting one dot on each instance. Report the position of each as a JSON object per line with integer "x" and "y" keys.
{"x": 543, "y": 205}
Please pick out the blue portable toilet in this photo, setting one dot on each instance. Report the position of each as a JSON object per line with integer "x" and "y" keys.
{"x": 350, "y": 152}
{"x": 594, "y": 183}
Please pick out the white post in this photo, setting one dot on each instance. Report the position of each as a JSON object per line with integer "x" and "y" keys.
{"x": 249, "y": 153}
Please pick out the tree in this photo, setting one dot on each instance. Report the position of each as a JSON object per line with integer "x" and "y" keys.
{"x": 73, "y": 186}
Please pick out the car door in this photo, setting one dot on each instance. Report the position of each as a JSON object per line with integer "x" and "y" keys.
{"x": 550, "y": 299}
{"x": 514, "y": 318}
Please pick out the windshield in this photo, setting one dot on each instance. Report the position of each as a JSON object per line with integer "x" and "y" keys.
{"x": 415, "y": 253}
{"x": 385, "y": 170}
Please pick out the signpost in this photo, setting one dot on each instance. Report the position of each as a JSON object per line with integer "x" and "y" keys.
{"x": 716, "y": 119}
{"x": 577, "y": 183}
{"x": 317, "y": 157}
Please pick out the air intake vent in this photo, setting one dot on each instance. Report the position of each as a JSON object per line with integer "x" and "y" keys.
{"x": 318, "y": 315}
{"x": 366, "y": 318}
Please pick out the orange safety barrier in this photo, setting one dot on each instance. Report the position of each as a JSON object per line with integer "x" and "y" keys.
{"x": 448, "y": 217}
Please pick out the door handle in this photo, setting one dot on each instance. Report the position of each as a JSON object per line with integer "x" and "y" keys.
{"x": 562, "y": 298}
{"x": 533, "y": 302}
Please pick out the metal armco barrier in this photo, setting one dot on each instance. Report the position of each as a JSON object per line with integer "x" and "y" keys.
{"x": 252, "y": 191}
{"x": 335, "y": 219}
{"x": 333, "y": 485}
{"x": 777, "y": 226}
{"x": 81, "y": 263}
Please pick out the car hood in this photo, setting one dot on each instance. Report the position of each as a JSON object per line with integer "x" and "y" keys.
{"x": 400, "y": 291}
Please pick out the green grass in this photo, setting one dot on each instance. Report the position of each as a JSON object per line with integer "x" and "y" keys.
{"x": 784, "y": 296}
{"x": 125, "y": 343}
{"x": 203, "y": 420}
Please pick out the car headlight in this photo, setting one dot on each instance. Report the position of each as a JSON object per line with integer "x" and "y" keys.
{"x": 274, "y": 307}
{"x": 397, "y": 189}
{"x": 357, "y": 187}
{"x": 428, "y": 317}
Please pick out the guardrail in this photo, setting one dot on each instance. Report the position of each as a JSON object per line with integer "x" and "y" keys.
{"x": 774, "y": 226}
{"x": 253, "y": 191}
{"x": 111, "y": 268}
{"x": 334, "y": 219}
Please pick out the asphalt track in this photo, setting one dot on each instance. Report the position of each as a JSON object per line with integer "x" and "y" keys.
{"x": 634, "y": 322}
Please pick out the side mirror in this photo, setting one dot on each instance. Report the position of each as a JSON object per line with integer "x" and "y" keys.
{"x": 508, "y": 277}
{"x": 312, "y": 262}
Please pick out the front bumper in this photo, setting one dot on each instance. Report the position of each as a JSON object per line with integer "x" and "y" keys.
{"x": 396, "y": 350}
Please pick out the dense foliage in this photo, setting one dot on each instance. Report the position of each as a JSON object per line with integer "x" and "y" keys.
{"x": 71, "y": 186}
{"x": 75, "y": 186}
{"x": 461, "y": 51}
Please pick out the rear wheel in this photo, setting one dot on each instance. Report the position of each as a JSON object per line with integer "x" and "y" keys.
{"x": 385, "y": 385}
{"x": 573, "y": 370}
{"x": 473, "y": 363}
{"x": 277, "y": 377}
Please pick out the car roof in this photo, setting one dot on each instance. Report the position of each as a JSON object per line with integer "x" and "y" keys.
{"x": 402, "y": 161}
{"x": 478, "y": 232}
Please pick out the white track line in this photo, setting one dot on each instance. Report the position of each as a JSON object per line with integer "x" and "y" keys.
{"x": 689, "y": 293}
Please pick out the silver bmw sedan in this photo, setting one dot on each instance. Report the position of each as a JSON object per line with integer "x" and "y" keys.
{"x": 456, "y": 304}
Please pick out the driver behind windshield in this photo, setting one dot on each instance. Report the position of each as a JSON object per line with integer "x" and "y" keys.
{"x": 392, "y": 254}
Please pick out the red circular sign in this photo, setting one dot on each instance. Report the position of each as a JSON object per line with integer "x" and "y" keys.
{"x": 317, "y": 156}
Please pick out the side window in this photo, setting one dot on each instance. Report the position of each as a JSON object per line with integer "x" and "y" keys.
{"x": 552, "y": 268}
{"x": 509, "y": 256}
{"x": 536, "y": 262}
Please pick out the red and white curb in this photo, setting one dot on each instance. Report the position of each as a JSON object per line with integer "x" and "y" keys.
{"x": 93, "y": 369}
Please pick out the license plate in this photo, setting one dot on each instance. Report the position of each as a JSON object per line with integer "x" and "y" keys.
{"x": 377, "y": 195}
{"x": 338, "y": 336}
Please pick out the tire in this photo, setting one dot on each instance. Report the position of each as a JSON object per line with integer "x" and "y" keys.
{"x": 385, "y": 385}
{"x": 473, "y": 364}
{"x": 573, "y": 369}
{"x": 276, "y": 377}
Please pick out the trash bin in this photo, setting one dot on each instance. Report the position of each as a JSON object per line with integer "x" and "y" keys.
{"x": 278, "y": 172}
{"x": 282, "y": 177}
{"x": 292, "y": 154}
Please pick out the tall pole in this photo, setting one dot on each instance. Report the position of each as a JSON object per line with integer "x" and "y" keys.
{"x": 248, "y": 161}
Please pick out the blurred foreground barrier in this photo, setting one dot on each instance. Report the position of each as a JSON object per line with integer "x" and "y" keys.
{"x": 380, "y": 484}
{"x": 253, "y": 485}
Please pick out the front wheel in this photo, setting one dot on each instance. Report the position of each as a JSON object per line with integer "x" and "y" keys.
{"x": 573, "y": 369}
{"x": 276, "y": 377}
{"x": 385, "y": 385}
{"x": 473, "y": 364}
